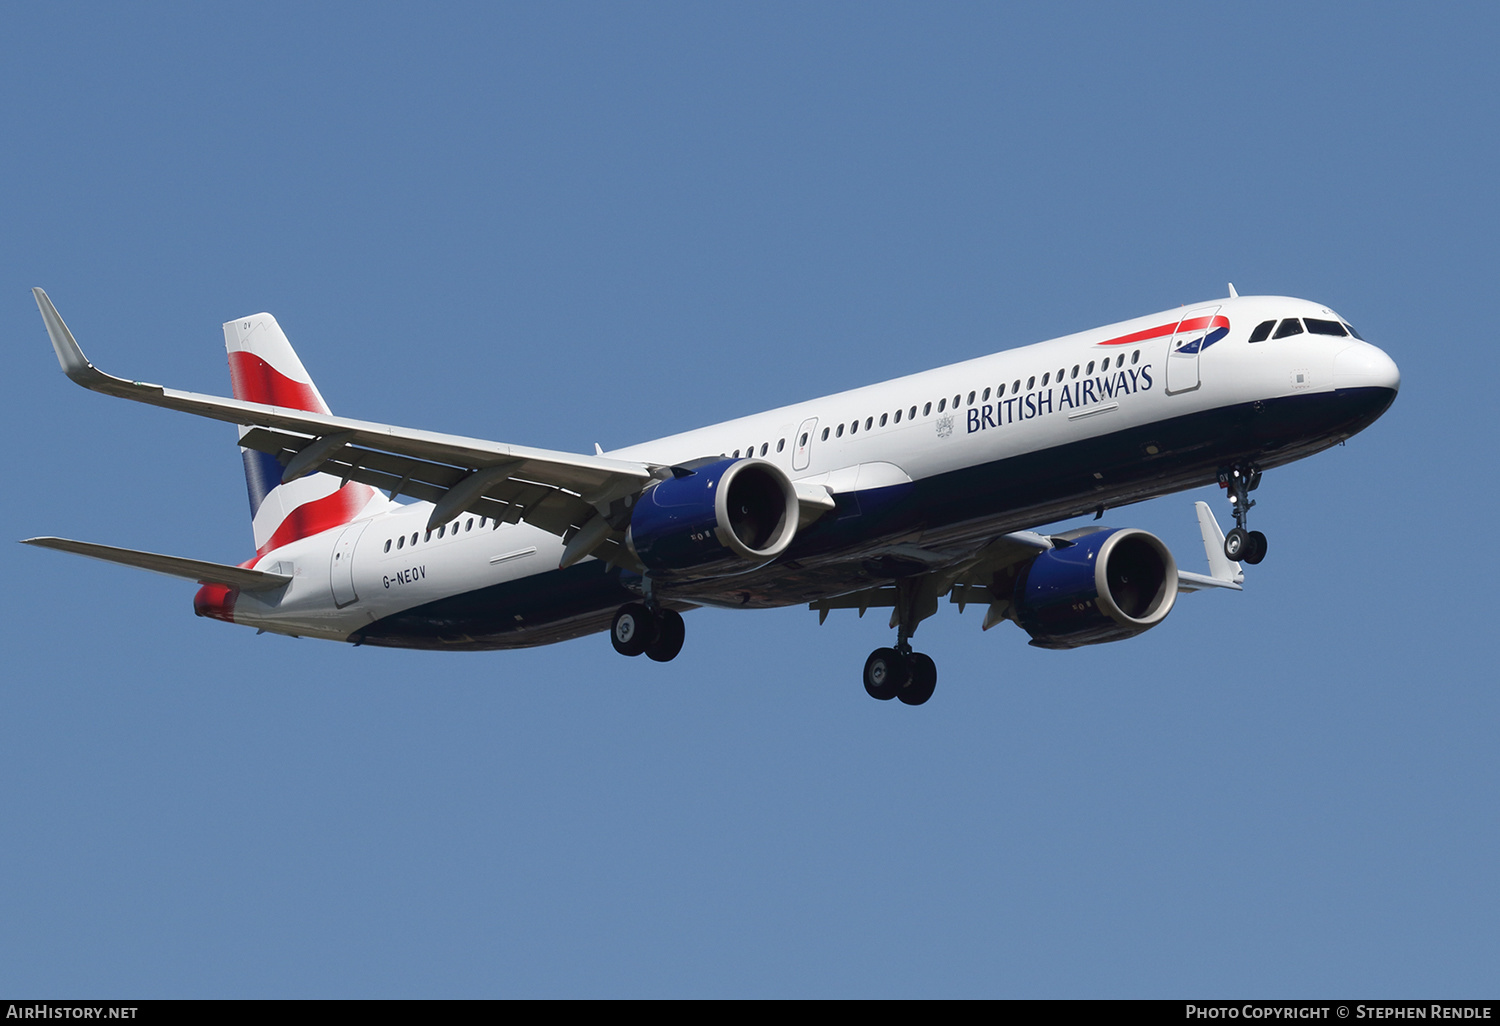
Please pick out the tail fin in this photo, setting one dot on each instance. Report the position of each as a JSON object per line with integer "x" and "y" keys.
{"x": 263, "y": 368}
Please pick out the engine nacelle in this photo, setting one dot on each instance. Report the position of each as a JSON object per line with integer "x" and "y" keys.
{"x": 721, "y": 519}
{"x": 1105, "y": 586}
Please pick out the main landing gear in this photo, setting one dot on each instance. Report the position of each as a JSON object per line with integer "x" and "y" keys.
{"x": 1239, "y": 544}
{"x": 900, "y": 673}
{"x": 639, "y": 628}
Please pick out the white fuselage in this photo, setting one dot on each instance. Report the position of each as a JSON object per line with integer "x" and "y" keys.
{"x": 933, "y": 426}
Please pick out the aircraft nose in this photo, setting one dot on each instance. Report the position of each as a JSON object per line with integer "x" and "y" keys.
{"x": 1365, "y": 366}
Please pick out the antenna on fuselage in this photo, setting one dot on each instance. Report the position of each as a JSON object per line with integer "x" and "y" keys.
{"x": 1233, "y": 294}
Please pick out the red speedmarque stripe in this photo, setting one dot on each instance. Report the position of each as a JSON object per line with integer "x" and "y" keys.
{"x": 1191, "y": 324}
{"x": 317, "y": 516}
{"x": 256, "y": 381}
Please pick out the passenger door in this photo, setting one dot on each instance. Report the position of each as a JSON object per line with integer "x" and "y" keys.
{"x": 1187, "y": 344}
{"x": 342, "y": 565}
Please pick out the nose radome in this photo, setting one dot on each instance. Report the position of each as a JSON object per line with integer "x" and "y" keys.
{"x": 1365, "y": 366}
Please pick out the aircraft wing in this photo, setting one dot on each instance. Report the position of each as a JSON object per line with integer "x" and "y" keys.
{"x": 173, "y": 566}
{"x": 968, "y": 580}
{"x": 556, "y": 491}
{"x": 1222, "y": 571}
{"x": 964, "y": 580}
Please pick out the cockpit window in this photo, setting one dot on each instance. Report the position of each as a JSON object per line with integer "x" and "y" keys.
{"x": 1290, "y": 326}
{"x": 1262, "y": 331}
{"x": 1318, "y": 327}
{"x": 1353, "y": 332}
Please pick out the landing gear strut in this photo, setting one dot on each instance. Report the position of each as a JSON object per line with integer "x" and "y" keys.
{"x": 1239, "y": 544}
{"x": 638, "y": 629}
{"x": 899, "y": 672}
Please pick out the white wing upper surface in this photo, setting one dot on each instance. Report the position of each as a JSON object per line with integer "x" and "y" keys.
{"x": 556, "y": 491}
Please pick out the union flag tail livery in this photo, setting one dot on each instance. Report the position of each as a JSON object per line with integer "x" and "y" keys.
{"x": 892, "y": 495}
{"x": 263, "y": 368}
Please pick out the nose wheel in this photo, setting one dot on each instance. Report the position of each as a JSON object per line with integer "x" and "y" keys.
{"x": 1245, "y": 546}
{"x": 1240, "y": 544}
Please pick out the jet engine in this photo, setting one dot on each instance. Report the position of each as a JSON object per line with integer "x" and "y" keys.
{"x": 714, "y": 520}
{"x": 1108, "y": 585}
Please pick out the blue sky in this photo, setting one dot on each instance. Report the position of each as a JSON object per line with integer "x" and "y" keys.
{"x": 560, "y": 224}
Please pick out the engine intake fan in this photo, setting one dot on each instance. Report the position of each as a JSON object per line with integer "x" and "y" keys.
{"x": 719, "y": 519}
{"x": 1103, "y": 586}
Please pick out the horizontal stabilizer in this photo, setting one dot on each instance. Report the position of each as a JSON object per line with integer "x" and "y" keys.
{"x": 173, "y": 566}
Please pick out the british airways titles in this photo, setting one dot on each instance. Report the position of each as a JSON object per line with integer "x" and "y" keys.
{"x": 1074, "y": 396}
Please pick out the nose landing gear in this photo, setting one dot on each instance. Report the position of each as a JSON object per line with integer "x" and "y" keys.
{"x": 1239, "y": 544}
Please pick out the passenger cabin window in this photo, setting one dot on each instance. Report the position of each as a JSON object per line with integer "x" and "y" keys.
{"x": 883, "y": 416}
{"x": 1015, "y": 388}
{"x": 1262, "y": 331}
{"x": 913, "y": 414}
{"x": 401, "y": 542}
{"x": 840, "y": 432}
{"x": 942, "y": 405}
{"x": 987, "y": 394}
{"x": 1318, "y": 327}
{"x": 765, "y": 447}
{"x": 825, "y": 434}
{"x": 926, "y": 409}
{"x": 387, "y": 545}
{"x": 1031, "y": 383}
{"x": 853, "y": 428}
{"x": 971, "y": 396}
{"x": 898, "y": 416}
{"x": 1135, "y": 357}
{"x": 1075, "y": 370}
{"x": 1290, "y": 326}
{"x": 780, "y": 444}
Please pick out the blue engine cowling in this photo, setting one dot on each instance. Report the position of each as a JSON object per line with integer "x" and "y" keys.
{"x": 1104, "y": 586}
{"x": 724, "y": 518}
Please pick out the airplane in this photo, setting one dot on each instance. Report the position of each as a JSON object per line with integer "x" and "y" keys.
{"x": 894, "y": 495}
